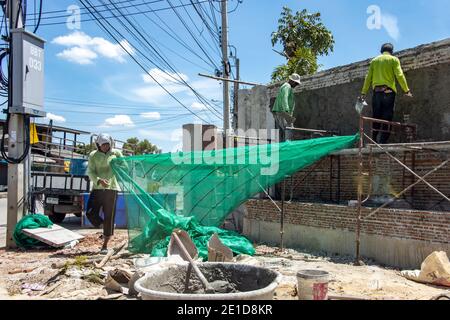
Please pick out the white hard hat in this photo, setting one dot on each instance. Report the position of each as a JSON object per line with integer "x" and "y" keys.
{"x": 295, "y": 77}
{"x": 104, "y": 138}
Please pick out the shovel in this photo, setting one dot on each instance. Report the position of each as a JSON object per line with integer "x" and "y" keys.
{"x": 208, "y": 288}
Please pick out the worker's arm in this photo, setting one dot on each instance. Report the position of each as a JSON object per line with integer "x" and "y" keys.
{"x": 368, "y": 81}
{"x": 121, "y": 163}
{"x": 91, "y": 172}
{"x": 400, "y": 76}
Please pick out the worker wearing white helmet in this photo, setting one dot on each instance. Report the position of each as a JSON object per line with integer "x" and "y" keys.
{"x": 105, "y": 187}
{"x": 284, "y": 107}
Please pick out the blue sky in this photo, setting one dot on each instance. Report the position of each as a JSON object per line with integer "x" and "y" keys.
{"x": 91, "y": 83}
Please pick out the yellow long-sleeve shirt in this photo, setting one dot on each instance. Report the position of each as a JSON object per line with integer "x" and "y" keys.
{"x": 383, "y": 71}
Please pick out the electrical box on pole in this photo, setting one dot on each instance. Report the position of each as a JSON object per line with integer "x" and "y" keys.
{"x": 28, "y": 74}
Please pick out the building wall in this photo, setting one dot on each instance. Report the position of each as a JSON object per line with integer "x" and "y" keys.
{"x": 326, "y": 100}
{"x": 388, "y": 178}
{"x": 400, "y": 238}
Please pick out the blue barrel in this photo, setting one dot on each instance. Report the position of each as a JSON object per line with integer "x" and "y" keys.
{"x": 122, "y": 220}
{"x": 78, "y": 167}
{"x": 120, "y": 214}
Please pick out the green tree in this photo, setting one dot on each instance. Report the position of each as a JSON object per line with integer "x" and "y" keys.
{"x": 304, "y": 38}
{"x": 141, "y": 147}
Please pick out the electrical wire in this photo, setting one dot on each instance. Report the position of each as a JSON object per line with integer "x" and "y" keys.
{"x": 190, "y": 32}
{"x": 180, "y": 79}
{"x": 86, "y": 4}
{"x": 39, "y": 19}
{"x": 174, "y": 35}
{"x": 109, "y": 17}
{"x": 196, "y": 93}
{"x": 106, "y": 9}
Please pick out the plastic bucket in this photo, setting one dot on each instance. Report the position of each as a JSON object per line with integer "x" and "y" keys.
{"x": 313, "y": 285}
{"x": 78, "y": 167}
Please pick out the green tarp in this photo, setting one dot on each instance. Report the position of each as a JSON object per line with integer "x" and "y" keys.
{"x": 32, "y": 221}
{"x": 196, "y": 191}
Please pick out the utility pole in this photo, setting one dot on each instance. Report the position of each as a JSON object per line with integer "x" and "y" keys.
{"x": 17, "y": 193}
{"x": 236, "y": 91}
{"x": 226, "y": 70}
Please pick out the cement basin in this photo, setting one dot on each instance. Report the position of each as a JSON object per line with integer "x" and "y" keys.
{"x": 241, "y": 282}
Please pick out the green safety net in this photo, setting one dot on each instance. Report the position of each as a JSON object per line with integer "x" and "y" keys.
{"x": 196, "y": 191}
{"x": 32, "y": 221}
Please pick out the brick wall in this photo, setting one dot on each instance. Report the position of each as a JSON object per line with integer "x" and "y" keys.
{"x": 326, "y": 100}
{"x": 318, "y": 186}
{"x": 420, "y": 57}
{"x": 405, "y": 224}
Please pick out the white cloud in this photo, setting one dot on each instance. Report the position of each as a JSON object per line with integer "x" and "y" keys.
{"x": 76, "y": 38}
{"x": 119, "y": 120}
{"x": 84, "y": 49}
{"x": 163, "y": 77}
{"x": 151, "y": 115}
{"x": 78, "y": 55}
{"x": 55, "y": 117}
{"x": 390, "y": 24}
{"x": 198, "y": 106}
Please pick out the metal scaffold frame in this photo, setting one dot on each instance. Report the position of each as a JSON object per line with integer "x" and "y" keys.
{"x": 412, "y": 147}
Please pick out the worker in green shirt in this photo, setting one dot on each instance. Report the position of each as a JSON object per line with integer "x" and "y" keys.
{"x": 105, "y": 187}
{"x": 383, "y": 72}
{"x": 283, "y": 109}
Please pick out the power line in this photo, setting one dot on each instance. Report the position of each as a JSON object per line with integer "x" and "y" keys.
{"x": 159, "y": 56}
{"x": 100, "y": 22}
{"x": 97, "y": 104}
{"x": 167, "y": 63}
{"x": 65, "y": 10}
{"x": 111, "y": 17}
{"x": 190, "y": 32}
{"x": 173, "y": 34}
{"x": 67, "y": 15}
{"x": 214, "y": 37}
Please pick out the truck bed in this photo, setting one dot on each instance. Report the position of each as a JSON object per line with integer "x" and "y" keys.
{"x": 44, "y": 182}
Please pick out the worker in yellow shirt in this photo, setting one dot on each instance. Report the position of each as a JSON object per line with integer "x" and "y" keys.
{"x": 383, "y": 72}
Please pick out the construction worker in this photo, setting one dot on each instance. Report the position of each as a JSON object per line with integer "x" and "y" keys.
{"x": 105, "y": 187}
{"x": 383, "y": 72}
{"x": 283, "y": 109}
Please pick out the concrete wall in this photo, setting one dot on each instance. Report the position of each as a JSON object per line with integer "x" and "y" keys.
{"x": 399, "y": 238}
{"x": 326, "y": 100}
{"x": 390, "y": 251}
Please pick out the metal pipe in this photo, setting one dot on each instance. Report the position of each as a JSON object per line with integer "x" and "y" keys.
{"x": 369, "y": 192}
{"x": 415, "y": 174}
{"x": 311, "y": 130}
{"x": 407, "y": 189}
{"x": 283, "y": 195}
{"x": 331, "y": 178}
{"x": 360, "y": 173}
{"x": 339, "y": 180}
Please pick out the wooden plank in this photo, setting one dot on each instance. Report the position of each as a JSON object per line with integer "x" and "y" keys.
{"x": 56, "y": 236}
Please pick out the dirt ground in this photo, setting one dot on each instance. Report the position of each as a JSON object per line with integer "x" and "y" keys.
{"x": 29, "y": 274}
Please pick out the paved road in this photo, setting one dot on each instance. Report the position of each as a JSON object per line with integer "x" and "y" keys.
{"x": 2, "y": 222}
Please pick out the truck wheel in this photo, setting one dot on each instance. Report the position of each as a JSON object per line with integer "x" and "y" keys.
{"x": 57, "y": 217}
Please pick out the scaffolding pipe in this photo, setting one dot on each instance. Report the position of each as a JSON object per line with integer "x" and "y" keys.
{"x": 408, "y": 169}
{"x": 360, "y": 173}
{"x": 407, "y": 189}
{"x": 283, "y": 196}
